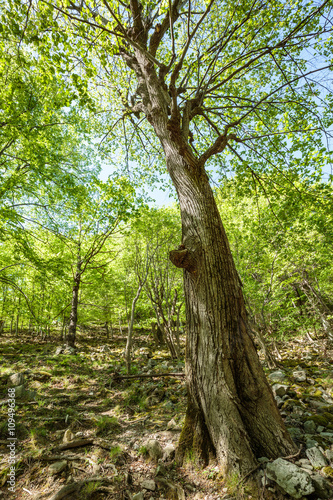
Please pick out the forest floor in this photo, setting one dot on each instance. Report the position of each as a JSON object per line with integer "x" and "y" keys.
{"x": 83, "y": 432}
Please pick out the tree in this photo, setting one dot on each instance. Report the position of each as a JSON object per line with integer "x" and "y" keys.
{"x": 42, "y": 147}
{"x": 86, "y": 224}
{"x": 146, "y": 248}
{"x": 240, "y": 93}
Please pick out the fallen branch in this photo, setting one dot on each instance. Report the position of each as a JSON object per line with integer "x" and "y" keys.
{"x": 74, "y": 444}
{"x": 117, "y": 377}
{"x": 289, "y": 457}
{"x": 84, "y": 442}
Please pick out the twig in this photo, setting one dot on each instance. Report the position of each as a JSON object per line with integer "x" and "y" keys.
{"x": 289, "y": 457}
{"x": 84, "y": 442}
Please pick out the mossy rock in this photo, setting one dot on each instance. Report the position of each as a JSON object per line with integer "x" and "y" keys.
{"x": 325, "y": 409}
{"x": 289, "y": 403}
{"x": 328, "y": 471}
{"x": 319, "y": 420}
{"x": 329, "y": 416}
{"x": 320, "y": 440}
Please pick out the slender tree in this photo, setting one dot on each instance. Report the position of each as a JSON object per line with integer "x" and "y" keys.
{"x": 91, "y": 220}
{"x": 222, "y": 82}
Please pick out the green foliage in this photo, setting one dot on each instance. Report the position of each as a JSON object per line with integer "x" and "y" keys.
{"x": 65, "y": 108}
{"x": 280, "y": 245}
{"x": 107, "y": 424}
{"x": 115, "y": 452}
{"x": 89, "y": 489}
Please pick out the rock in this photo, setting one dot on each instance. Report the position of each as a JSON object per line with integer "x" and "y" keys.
{"x": 303, "y": 462}
{"x": 323, "y": 488}
{"x": 21, "y": 392}
{"x": 293, "y": 480}
{"x": 31, "y": 395}
{"x": 70, "y": 350}
{"x": 68, "y": 436}
{"x": 160, "y": 470}
{"x": 138, "y": 496}
{"x": 299, "y": 375}
{"x": 263, "y": 460}
{"x": 148, "y": 484}
{"x": 327, "y": 435}
{"x": 316, "y": 457}
{"x": 171, "y": 425}
{"x": 307, "y": 467}
{"x": 310, "y": 443}
{"x": 317, "y": 404}
{"x": 280, "y": 390}
{"x": 173, "y": 491}
{"x": 154, "y": 449}
{"x": 58, "y": 351}
{"x": 329, "y": 455}
{"x": 57, "y": 467}
{"x": 297, "y": 412}
{"x": 327, "y": 398}
{"x": 295, "y": 432}
{"x": 309, "y": 427}
{"x": 169, "y": 452}
{"x": 279, "y": 401}
{"x": 277, "y": 376}
{"x": 16, "y": 379}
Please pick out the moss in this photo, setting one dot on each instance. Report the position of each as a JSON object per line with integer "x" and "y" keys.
{"x": 319, "y": 420}
{"x": 328, "y": 416}
{"x": 328, "y": 471}
{"x": 194, "y": 439}
{"x": 329, "y": 409}
{"x": 290, "y": 404}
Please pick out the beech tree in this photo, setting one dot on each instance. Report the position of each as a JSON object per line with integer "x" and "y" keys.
{"x": 202, "y": 84}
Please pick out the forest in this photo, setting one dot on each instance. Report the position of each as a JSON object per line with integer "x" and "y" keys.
{"x": 176, "y": 349}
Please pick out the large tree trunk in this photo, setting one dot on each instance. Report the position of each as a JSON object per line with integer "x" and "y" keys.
{"x": 231, "y": 409}
{"x": 70, "y": 338}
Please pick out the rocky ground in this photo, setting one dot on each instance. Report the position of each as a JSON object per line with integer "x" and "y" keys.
{"x": 84, "y": 432}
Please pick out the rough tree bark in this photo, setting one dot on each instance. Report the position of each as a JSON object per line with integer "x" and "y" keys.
{"x": 231, "y": 410}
